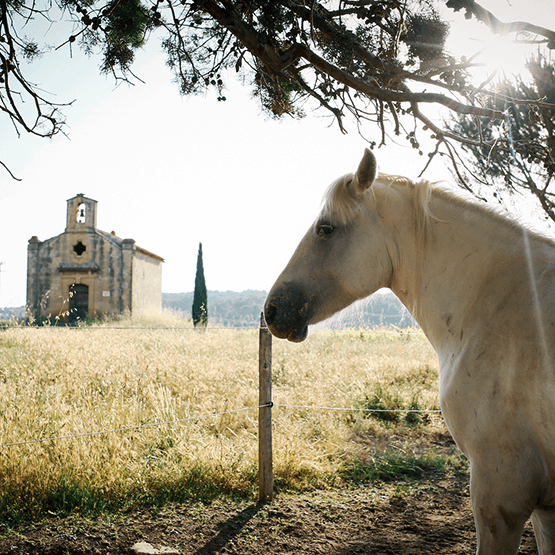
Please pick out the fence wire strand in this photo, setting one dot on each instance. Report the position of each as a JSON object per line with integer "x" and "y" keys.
{"x": 130, "y": 428}
{"x": 211, "y": 415}
{"x": 353, "y": 409}
{"x": 369, "y": 331}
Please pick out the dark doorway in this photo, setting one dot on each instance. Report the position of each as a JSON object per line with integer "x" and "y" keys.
{"x": 78, "y": 302}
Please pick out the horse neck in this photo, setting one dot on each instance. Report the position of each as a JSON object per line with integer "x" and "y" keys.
{"x": 443, "y": 262}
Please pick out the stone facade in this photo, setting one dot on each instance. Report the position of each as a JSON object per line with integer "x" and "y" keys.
{"x": 88, "y": 273}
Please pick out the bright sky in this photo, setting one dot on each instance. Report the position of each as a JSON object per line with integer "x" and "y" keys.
{"x": 172, "y": 172}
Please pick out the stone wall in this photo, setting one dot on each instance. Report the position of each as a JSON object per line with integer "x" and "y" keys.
{"x": 147, "y": 283}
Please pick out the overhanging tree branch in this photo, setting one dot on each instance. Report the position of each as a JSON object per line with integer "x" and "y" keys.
{"x": 380, "y": 62}
{"x": 472, "y": 8}
{"x": 279, "y": 62}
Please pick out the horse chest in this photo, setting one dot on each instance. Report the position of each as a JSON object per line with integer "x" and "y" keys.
{"x": 490, "y": 397}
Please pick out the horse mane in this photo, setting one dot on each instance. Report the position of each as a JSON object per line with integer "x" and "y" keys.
{"x": 342, "y": 203}
{"x": 338, "y": 200}
{"x": 425, "y": 191}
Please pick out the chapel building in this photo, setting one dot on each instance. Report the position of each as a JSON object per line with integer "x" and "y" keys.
{"x": 87, "y": 273}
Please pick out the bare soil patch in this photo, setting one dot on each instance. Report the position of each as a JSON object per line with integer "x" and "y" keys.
{"x": 428, "y": 516}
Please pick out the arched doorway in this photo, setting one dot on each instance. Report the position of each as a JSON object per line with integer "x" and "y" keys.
{"x": 78, "y": 302}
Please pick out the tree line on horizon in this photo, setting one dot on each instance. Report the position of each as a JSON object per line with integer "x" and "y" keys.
{"x": 232, "y": 309}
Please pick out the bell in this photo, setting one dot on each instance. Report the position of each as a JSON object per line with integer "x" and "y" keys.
{"x": 82, "y": 213}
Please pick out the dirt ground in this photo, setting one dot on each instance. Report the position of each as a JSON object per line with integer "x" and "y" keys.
{"x": 431, "y": 516}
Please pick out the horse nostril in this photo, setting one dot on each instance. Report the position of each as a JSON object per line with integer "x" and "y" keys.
{"x": 270, "y": 313}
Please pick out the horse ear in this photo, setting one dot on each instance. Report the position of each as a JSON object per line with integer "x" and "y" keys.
{"x": 366, "y": 172}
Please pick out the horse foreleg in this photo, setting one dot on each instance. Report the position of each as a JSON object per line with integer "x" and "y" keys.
{"x": 498, "y": 513}
{"x": 544, "y": 529}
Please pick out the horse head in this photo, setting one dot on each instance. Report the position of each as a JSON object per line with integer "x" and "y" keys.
{"x": 343, "y": 257}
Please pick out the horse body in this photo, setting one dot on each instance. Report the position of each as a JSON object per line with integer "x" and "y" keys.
{"x": 483, "y": 290}
{"x": 488, "y": 309}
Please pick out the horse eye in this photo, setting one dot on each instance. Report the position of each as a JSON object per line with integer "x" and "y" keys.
{"x": 325, "y": 229}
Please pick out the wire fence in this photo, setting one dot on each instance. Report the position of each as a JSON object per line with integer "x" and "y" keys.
{"x": 264, "y": 407}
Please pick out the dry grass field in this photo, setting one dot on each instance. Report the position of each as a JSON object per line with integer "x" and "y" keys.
{"x": 59, "y": 382}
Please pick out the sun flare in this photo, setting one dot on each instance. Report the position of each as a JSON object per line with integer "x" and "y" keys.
{"x": 503, "y": 54}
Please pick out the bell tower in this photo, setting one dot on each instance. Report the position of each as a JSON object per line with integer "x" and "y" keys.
{"x": 81, "y": 214}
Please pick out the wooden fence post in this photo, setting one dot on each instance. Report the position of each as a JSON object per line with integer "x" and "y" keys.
{"x": 265, "y": 464}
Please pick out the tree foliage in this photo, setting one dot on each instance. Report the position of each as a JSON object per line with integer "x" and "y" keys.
{"x": 526, "y": 162}
{"x": 376, "y": 61}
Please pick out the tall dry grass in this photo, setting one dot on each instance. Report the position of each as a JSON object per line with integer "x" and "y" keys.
{"x": 57, "y": 382}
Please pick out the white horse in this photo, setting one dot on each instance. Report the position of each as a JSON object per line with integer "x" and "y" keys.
{"x": 482, "y": 288}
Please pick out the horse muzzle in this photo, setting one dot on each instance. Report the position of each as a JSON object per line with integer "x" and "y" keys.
{"x": 287, "y": 312}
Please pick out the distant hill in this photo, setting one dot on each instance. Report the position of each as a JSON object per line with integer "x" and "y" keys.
{"x": 382, "y": 309}
{"x": 225, "y": 308}
{"x": 12, "y": 313}
{"x": 232, "y": 309}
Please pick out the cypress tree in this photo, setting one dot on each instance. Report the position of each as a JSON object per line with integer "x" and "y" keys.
{"x": 200, "y": 297}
